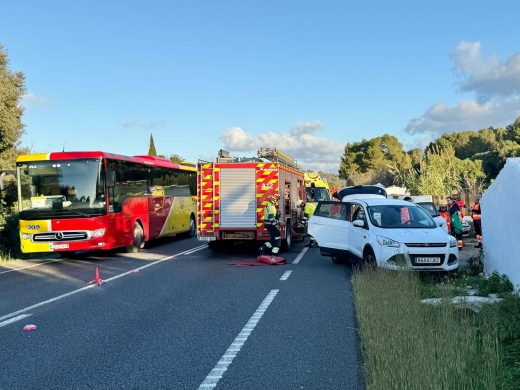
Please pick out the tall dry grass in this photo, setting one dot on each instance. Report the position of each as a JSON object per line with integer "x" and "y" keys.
{"x": 408, "y": 345}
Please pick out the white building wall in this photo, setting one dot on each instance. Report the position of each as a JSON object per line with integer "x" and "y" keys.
{"x": 501, "y": 223}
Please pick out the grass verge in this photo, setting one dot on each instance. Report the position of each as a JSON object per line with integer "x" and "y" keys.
{"x": 408, "y": 345}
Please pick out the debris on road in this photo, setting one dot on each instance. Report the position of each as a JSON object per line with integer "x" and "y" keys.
{"x": 30, "y": 327}
{"x": 260, "y": 260}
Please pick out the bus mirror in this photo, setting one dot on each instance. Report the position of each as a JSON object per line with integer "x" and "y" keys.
{"x": 110, "y": 179}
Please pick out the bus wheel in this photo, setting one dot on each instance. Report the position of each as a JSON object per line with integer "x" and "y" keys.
{"x": 286, "y": 243}
{"x": 193, "y": 227}
{"x": 138, "y": 239}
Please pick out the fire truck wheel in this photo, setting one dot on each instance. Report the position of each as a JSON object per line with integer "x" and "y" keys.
{"x": 286, "y": 243}
{"x": 193, "y": 227}
{"x": 138, "y": 239}
{"x": 215, "y": 246}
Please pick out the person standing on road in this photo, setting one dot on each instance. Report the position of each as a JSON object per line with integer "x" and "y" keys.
{"x": 456, "y": 224}
{"x": 475, "y": 214}
{"x": 271, "y": 222}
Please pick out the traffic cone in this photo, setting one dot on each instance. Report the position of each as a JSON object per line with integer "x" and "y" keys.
{"x": 97, "y": 280}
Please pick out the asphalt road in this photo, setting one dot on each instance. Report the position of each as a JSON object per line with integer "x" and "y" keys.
{"x": 178, "y": 316}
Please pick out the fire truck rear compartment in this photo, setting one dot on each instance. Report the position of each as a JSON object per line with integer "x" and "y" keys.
{"x": 238, "y": 199}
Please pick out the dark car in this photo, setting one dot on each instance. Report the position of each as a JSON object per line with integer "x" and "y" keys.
{"x": 361, "y": 192}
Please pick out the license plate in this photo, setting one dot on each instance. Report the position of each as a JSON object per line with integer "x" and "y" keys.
{"x": 238, "y": 236}
{"x": 427, "y": 260}
{"x": 59, "y": 246}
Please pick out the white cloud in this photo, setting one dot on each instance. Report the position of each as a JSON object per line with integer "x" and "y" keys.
{"x": 154, "y": 125}
{"x": 467, "y": 115}
{"x": 486, "y": 77}
{"x": 300, "y": 142}
{"x": 31, "y": 99}
{"x": 495, "y": 84}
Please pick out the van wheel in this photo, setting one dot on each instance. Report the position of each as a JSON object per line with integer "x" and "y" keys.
{"x": 137, "y": 241}
{"x": 193, "y": 227}
{"x": 287, "y": 242}
{"x": 369, "y": 259}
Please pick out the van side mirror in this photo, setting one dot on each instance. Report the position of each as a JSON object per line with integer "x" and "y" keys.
{"x": 359, "y": 223}
{"x": 110, "y": 178}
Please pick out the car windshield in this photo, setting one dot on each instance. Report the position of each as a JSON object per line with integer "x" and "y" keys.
{"x": 317, "y": 194}
{"x": 400, "y": 216}
{"x": 430, "y": 208}
{"x": 361, "y": 190}
{"x": 61, "y": 188}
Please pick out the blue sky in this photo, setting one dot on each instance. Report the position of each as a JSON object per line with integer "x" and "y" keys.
{"x": 304, "y": 76}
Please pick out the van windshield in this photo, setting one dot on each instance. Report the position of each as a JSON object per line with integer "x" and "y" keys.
{"x": 397, "y": 216}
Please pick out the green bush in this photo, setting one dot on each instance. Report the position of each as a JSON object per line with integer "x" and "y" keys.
{"x": 495, "y": 284}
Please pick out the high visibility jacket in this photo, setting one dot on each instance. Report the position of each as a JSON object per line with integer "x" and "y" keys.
{"x": 269, "y": 214}
{"x": 446, "y": 216}
{"x": 475, "y": 212}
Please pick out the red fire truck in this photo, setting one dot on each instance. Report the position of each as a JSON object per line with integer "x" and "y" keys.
{"x": 232, "y": 193}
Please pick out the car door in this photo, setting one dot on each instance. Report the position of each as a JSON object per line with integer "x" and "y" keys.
{"x": 358, "y": 236}
{"x": 329, "y": 226}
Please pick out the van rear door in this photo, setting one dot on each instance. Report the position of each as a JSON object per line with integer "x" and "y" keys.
{"x": 329, "y": 226}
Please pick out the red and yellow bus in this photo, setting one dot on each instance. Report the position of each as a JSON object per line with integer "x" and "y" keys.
{"x": 77, "y": 201}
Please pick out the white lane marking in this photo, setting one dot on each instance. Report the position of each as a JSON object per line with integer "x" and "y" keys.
{"x": 196, "y": 249}
{"x": 225, "y": 361}
{"x": 36, "y": 305}
{"x": 30, "y": 266}
{"x": 299, "y": 257}
{"x": 17, "y": 318}
{"x": 286, "y": 275}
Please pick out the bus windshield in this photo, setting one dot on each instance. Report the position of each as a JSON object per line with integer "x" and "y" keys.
{"x": 61, "y": 189}
{"x": 317, "y": 194}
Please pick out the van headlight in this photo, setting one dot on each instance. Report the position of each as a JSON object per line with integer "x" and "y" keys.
{"x": 453, "y": 242}
{"x": 98, "y": 233}
{"x": 385, "y": 241}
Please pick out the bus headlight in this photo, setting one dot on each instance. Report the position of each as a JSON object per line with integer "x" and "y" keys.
{"x": 97, "y": 233}
{"x": 26, "y": 236}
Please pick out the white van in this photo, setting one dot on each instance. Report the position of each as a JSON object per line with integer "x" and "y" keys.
{"x": 387, "y": 233}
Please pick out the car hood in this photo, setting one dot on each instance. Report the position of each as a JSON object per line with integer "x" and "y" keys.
{"x": 416, "y": 236}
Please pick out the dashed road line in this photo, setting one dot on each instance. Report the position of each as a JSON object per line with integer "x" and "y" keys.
{"x": 11, "y": 320}
{"x": 299, "y": 257}
{"x": 36, "y": 305}
{"x": 286, "y": 275}
{"x": 216, "y": 374}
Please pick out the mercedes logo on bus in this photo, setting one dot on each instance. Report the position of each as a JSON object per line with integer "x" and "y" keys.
{"x": 59, "y": 236}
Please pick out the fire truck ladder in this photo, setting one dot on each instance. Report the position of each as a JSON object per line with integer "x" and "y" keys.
{"x": 208, "y": 208}
{"x": 275, "y": 155}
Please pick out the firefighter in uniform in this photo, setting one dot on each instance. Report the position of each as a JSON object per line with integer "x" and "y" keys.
{"x": 475, "y": 214}
{"x": 271, "y": 222}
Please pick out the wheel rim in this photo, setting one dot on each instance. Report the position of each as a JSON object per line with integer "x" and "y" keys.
{"x": 138, "y": 236}
{"x": 370, "y": 260}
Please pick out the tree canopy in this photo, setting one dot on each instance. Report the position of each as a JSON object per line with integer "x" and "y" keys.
{"x": 464, "y": 161}
{"x": 12, "y": 89}
{"x": 374, "y": 160}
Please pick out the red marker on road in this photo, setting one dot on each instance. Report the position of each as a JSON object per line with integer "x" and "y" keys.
{"x": 30, "y": 327}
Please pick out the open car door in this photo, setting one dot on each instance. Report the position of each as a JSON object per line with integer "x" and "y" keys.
{"x": 329, "y": 226}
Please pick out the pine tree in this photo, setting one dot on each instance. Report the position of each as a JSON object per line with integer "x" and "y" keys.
{"x": 151, "y": 149}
